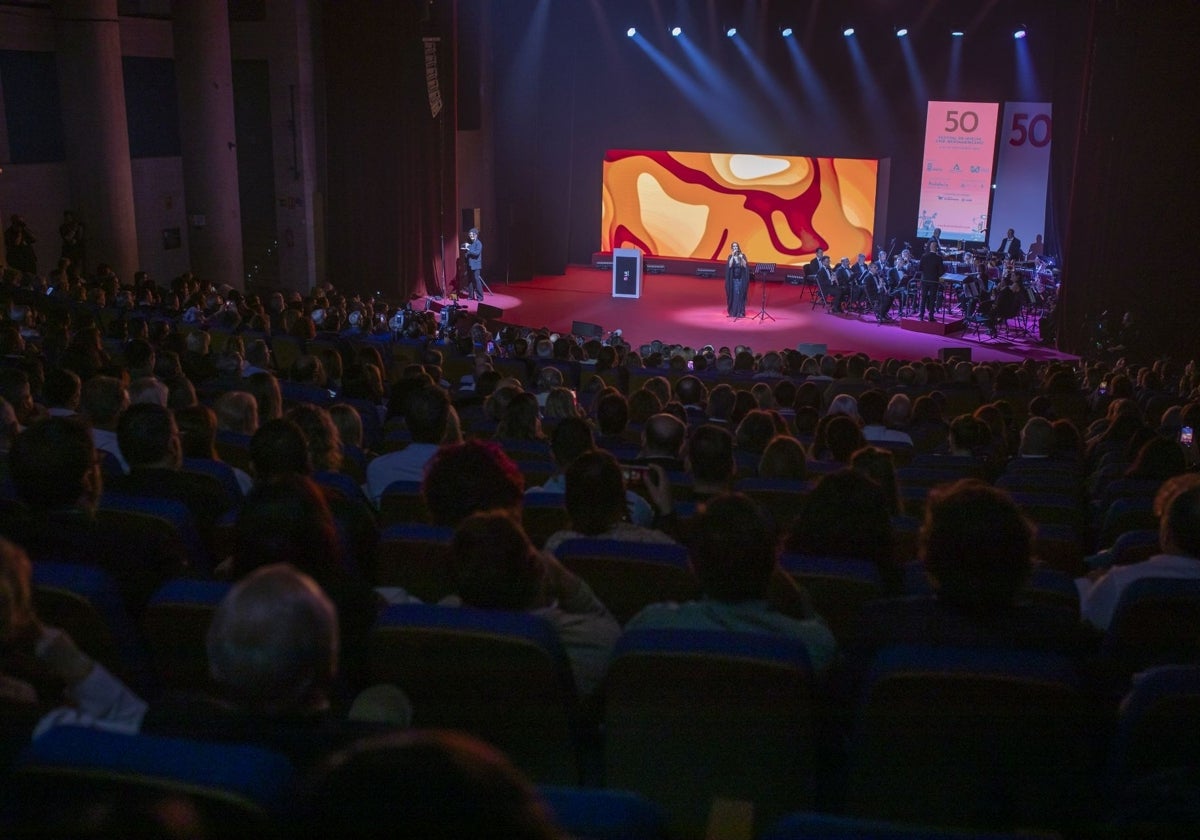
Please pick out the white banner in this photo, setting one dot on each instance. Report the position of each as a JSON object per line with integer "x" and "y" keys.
{"x": 1022, "y": 173}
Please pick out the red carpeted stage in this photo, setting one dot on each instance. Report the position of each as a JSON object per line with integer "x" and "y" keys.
{"x": 690, "y": 310}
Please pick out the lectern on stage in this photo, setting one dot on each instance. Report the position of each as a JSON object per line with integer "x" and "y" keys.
{"x": 627, "y": 273}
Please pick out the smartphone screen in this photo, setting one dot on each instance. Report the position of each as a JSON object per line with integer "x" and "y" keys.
{"x": 634, "y": 474}
{"x": 1185, "y": 435}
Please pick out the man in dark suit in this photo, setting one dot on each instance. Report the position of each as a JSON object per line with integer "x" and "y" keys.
{"x": 932, "y": 269}
{"x": 473, "y": 248}
{"x": 1010, "y": 248}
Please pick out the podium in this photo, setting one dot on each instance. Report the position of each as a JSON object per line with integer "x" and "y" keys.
{"x": 627, "y": 273}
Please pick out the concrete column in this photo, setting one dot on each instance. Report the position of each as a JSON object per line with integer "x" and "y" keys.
{"x": 204, "y": 76}
{"x": 87, "y": 40}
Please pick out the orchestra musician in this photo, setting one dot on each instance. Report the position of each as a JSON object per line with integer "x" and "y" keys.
{"x": 845, "y": 285}
{"x": 883, "y": 295}
{"x": 737, "y": 281}
{"x": 825, "y": 278}
{"x": 897, "y": 283}
{"x": 1010, "y": 248}
{"x": 860, "y": 270}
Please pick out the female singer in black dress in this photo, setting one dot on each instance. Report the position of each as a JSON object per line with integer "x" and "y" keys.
{"x": 737, "y": 281}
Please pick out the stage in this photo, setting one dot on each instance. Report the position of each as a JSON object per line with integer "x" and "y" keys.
{"x": 689, "y": 310}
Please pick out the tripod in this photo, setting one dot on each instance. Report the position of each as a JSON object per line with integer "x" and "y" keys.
{"x": 762, "y": 270}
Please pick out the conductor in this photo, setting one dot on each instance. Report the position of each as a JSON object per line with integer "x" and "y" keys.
{"x": 932, "y": 269}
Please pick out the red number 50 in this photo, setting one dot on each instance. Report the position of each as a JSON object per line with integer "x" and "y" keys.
{"x": 1026, "y": 129}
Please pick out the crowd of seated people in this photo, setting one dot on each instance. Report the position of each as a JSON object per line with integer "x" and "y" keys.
{"x": 269, "y": 430}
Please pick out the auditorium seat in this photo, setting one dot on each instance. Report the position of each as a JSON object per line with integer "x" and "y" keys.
{"x": 692, "y": 716}
{"x": 86, "y": 603}
{"x": 415, "y": 557}
{"x": 838, "y": 586}
{"x": 971, "y": 738}
{"x": 501, "y": 676}
{"x": 598, "y": 814}
{"x": 175, "y": 625}
{"x": 72, "y": 777}
{"x": 627, "y": 576}
{"x": 1156, "y": 622}
{"x": 402, "y": 502}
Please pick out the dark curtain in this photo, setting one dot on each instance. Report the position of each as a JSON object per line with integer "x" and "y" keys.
{"x": 1133, "y": 209}
{"x": 390, "y": 164}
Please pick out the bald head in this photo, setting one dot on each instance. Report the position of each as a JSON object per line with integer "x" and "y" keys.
{"x": 663, "y": 435}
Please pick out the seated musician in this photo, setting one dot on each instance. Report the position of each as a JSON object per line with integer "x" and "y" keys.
{"x": 884, "y": 297}
{"x": 844, "y": 290}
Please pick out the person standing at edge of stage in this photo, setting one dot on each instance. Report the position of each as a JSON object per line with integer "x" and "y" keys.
{"x": 737, "y": 280}
{"x": 474, "y": 250}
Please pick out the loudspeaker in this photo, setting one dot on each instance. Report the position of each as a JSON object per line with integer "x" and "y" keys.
{"x": 470, "y": 219}
{"x": 813, "y": 349}
{"x": 586, "y": 330}
{"x": 954, "y": 354}
{"x": 488, "y": 311}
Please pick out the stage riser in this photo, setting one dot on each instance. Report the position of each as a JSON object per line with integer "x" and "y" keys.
{"x": 933, "y": 327}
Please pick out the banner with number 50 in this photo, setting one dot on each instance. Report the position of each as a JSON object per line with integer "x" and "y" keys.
{"x": 1022, "y": 172}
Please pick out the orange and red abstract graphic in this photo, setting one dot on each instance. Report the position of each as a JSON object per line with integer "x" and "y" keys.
{"x": 778, "y": 208}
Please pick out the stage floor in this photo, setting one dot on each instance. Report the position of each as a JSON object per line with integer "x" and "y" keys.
{"x": 690, "y": 310}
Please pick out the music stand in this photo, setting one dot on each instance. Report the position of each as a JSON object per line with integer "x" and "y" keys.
{"x": 762, "y": 270}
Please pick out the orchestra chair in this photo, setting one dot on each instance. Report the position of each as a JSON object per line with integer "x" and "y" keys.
{"x": 85, "y": 602}
{"x": 1156, "y": 622}
{"x": 501, "y": 676}
{"x": 812, "y": 825}
{"x": 971, "y": 738}
{"x": 1128, "y": 514}
{"x": 598, "y": 814}
{"x": 782, "y": 498}
{"x": 175, "y": 626}
{"x": 415, "y": 557}
{"x": 627, "y": 576}
{"x": 697, "y": 716}
{"x": 838, "y": 586}
{"x": 1153, "y": 774}
{"x": 543, "y": 514}
{"x": 64, "y": 777}
{"x": 402, "y": 502}
{"x": 825, "y": 292}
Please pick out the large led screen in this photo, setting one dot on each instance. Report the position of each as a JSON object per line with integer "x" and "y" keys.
{"x": 956, "y": 185}
{"x": 779, "y": 208}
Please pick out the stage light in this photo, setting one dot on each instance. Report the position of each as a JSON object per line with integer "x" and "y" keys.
{"x": 730, "y": 32}
{"x": 676, "y": 31}
{"x": 848, "y": 31}
{"x": 785, "y": 31}
{"x": 1020, "y": 32}
{"x": 956, "y": 33}
{"x": 902, "y": 31}
{"x": 631, "y": 31}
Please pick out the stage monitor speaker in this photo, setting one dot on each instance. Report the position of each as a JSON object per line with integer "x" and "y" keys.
{"x": 954, "y": 354}
{"x": 812, "y": 349}
{"x": 470, "y": 219}
{"x": 586, "y": 330}
{"x": 489, "y": 312}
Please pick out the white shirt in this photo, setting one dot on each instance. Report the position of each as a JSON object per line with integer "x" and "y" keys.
{"x": 407, "y": 464}
{"x": 1098, "y": 601}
